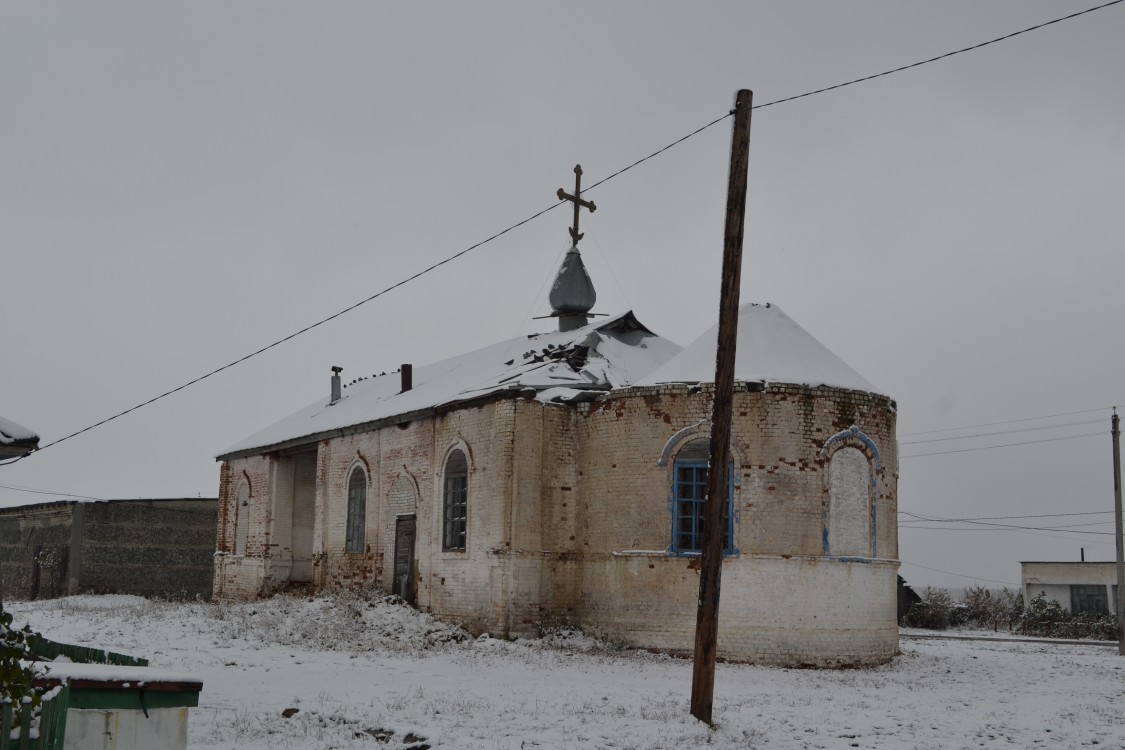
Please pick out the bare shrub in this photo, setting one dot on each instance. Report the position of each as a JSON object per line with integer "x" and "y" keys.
{"x": 1046, "y": 618}
{"x": 932, "y": 612}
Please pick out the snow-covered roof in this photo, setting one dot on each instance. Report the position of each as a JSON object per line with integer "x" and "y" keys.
{"x": 140, "y": 676}
{"x": 15, "y": 439}
{"x": 771, "y": 347}
{"x": 562, "y": 366}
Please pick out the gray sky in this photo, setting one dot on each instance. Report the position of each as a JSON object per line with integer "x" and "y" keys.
{"x": 181, "y": 185}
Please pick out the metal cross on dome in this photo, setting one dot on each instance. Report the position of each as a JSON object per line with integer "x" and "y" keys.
{"x": 575, "y": 235}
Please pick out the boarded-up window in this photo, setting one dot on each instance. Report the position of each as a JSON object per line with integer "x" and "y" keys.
{"x": 849, "y": 510}
{"x": 455, "y": 502}
{"x": 241, "y": 518}
{"x": 357, "y": 510}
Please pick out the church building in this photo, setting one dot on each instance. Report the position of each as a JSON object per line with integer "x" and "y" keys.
{"x": 559, "y": 478}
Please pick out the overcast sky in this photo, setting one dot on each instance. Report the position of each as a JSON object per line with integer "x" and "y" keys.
{"x": 181, "y": 185}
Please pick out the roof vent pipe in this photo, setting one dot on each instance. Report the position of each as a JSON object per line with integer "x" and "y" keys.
{"x": 407, "y": 378}
{"x": 336, "y": 384}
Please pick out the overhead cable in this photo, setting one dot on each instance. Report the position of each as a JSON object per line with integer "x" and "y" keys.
{"x": 549, "y": 208}
{"x": 1005, "y": 445}
{"x": 959, "y": 575}
{"x": 1000, "y": 432}
{"x": 1006, "y": 421}
{"x": 1005, "y": 518}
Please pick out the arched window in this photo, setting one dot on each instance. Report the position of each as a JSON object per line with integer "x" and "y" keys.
{"x": 849, "y": 504}
{"x": 357, "y": 510}
{"x": 241, "y": 517}
{"x": 455, "y": 502}
{"x": 689, "y": 491}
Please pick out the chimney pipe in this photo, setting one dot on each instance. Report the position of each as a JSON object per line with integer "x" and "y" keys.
{"x": 336, "y": 384}
{"x": 1083, "y": 553}
{"x": 407, "y": 378}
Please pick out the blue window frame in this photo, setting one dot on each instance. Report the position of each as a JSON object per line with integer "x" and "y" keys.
{"x": 689, "y": 490}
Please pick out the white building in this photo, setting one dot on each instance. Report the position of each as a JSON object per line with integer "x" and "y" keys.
{"x": 1077, "y": 586}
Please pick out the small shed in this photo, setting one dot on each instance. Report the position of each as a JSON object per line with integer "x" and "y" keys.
{"x": 125, "y": 708}
{"x": 1077, "y": 586}
{"x": 153, "y": 547}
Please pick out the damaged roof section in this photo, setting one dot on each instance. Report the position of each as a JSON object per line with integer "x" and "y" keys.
{"x": 16, "y": 440}
{"x": 559, "y": 366}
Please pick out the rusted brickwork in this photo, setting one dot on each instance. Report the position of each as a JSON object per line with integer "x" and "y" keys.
{"x": 570, "y": 519}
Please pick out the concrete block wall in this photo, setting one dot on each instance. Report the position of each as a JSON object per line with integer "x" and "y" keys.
{"x": 143, "y": 547}
{"x": 35, "y": 549}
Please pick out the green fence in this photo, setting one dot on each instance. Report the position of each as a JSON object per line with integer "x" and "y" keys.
{"x": 50, "y": 731}
{"x": 47, "y": 649}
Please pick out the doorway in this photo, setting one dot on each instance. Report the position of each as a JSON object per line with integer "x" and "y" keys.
{"x": 304, "y": 502}
{"x": 403, "y": 582}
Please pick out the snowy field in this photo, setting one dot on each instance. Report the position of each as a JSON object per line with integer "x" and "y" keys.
{"x": 371, "y": 674}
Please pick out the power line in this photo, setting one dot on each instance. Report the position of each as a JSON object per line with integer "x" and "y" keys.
{"x": 1005, "y": 518}
{"x": 1084, "y": 540}
{"x": 549, "y": 208}
{"x": 1005, "y": 445}
{"x": 46, "y": 492}
{"x": 1062, "y": 529}
{"x": 1045, "y": 535}
{"x": 959, "y": 575}
{"x": 918, "y": 520}
{"x": 1008, "y": 421}
{"x": 1001, "y": 432}
{"x": 1021, "y": 530}
{"x": 942, "y": 57}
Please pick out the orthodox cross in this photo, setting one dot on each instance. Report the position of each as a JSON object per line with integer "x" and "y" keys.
{"x": 578, "y": 202}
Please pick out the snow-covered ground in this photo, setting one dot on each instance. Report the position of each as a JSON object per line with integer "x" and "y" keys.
{"x": 373, "y": 674}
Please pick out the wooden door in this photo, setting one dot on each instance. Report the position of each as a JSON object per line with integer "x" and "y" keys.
{"x": 403, "y": 583}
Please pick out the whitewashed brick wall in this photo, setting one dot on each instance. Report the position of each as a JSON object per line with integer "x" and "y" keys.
{"x": 569, "y": 520}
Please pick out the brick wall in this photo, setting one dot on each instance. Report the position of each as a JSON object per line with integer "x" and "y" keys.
{"x": 569, "y": 519}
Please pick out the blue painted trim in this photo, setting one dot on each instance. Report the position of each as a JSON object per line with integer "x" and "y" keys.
{"x": 726, "y": 553}
{"x": 855, "y": 432}
{"x": 839, "y": 437}
{"x": 673, "y": 507}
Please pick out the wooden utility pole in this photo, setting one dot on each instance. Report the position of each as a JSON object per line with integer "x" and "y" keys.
{"x": 1115, "y": 430}
{"x": 714, "y": 524}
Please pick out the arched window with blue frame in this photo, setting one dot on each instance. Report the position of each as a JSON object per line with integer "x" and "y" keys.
{"x": 689, "y": 492}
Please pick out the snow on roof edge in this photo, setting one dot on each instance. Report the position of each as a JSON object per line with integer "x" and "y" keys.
{"x": 13, "y": 432}
{"x": 771, "y": 348}
{"x": 471, "y": 376}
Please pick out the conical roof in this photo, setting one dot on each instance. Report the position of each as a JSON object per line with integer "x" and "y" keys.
{"x": 771, "y": 347}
